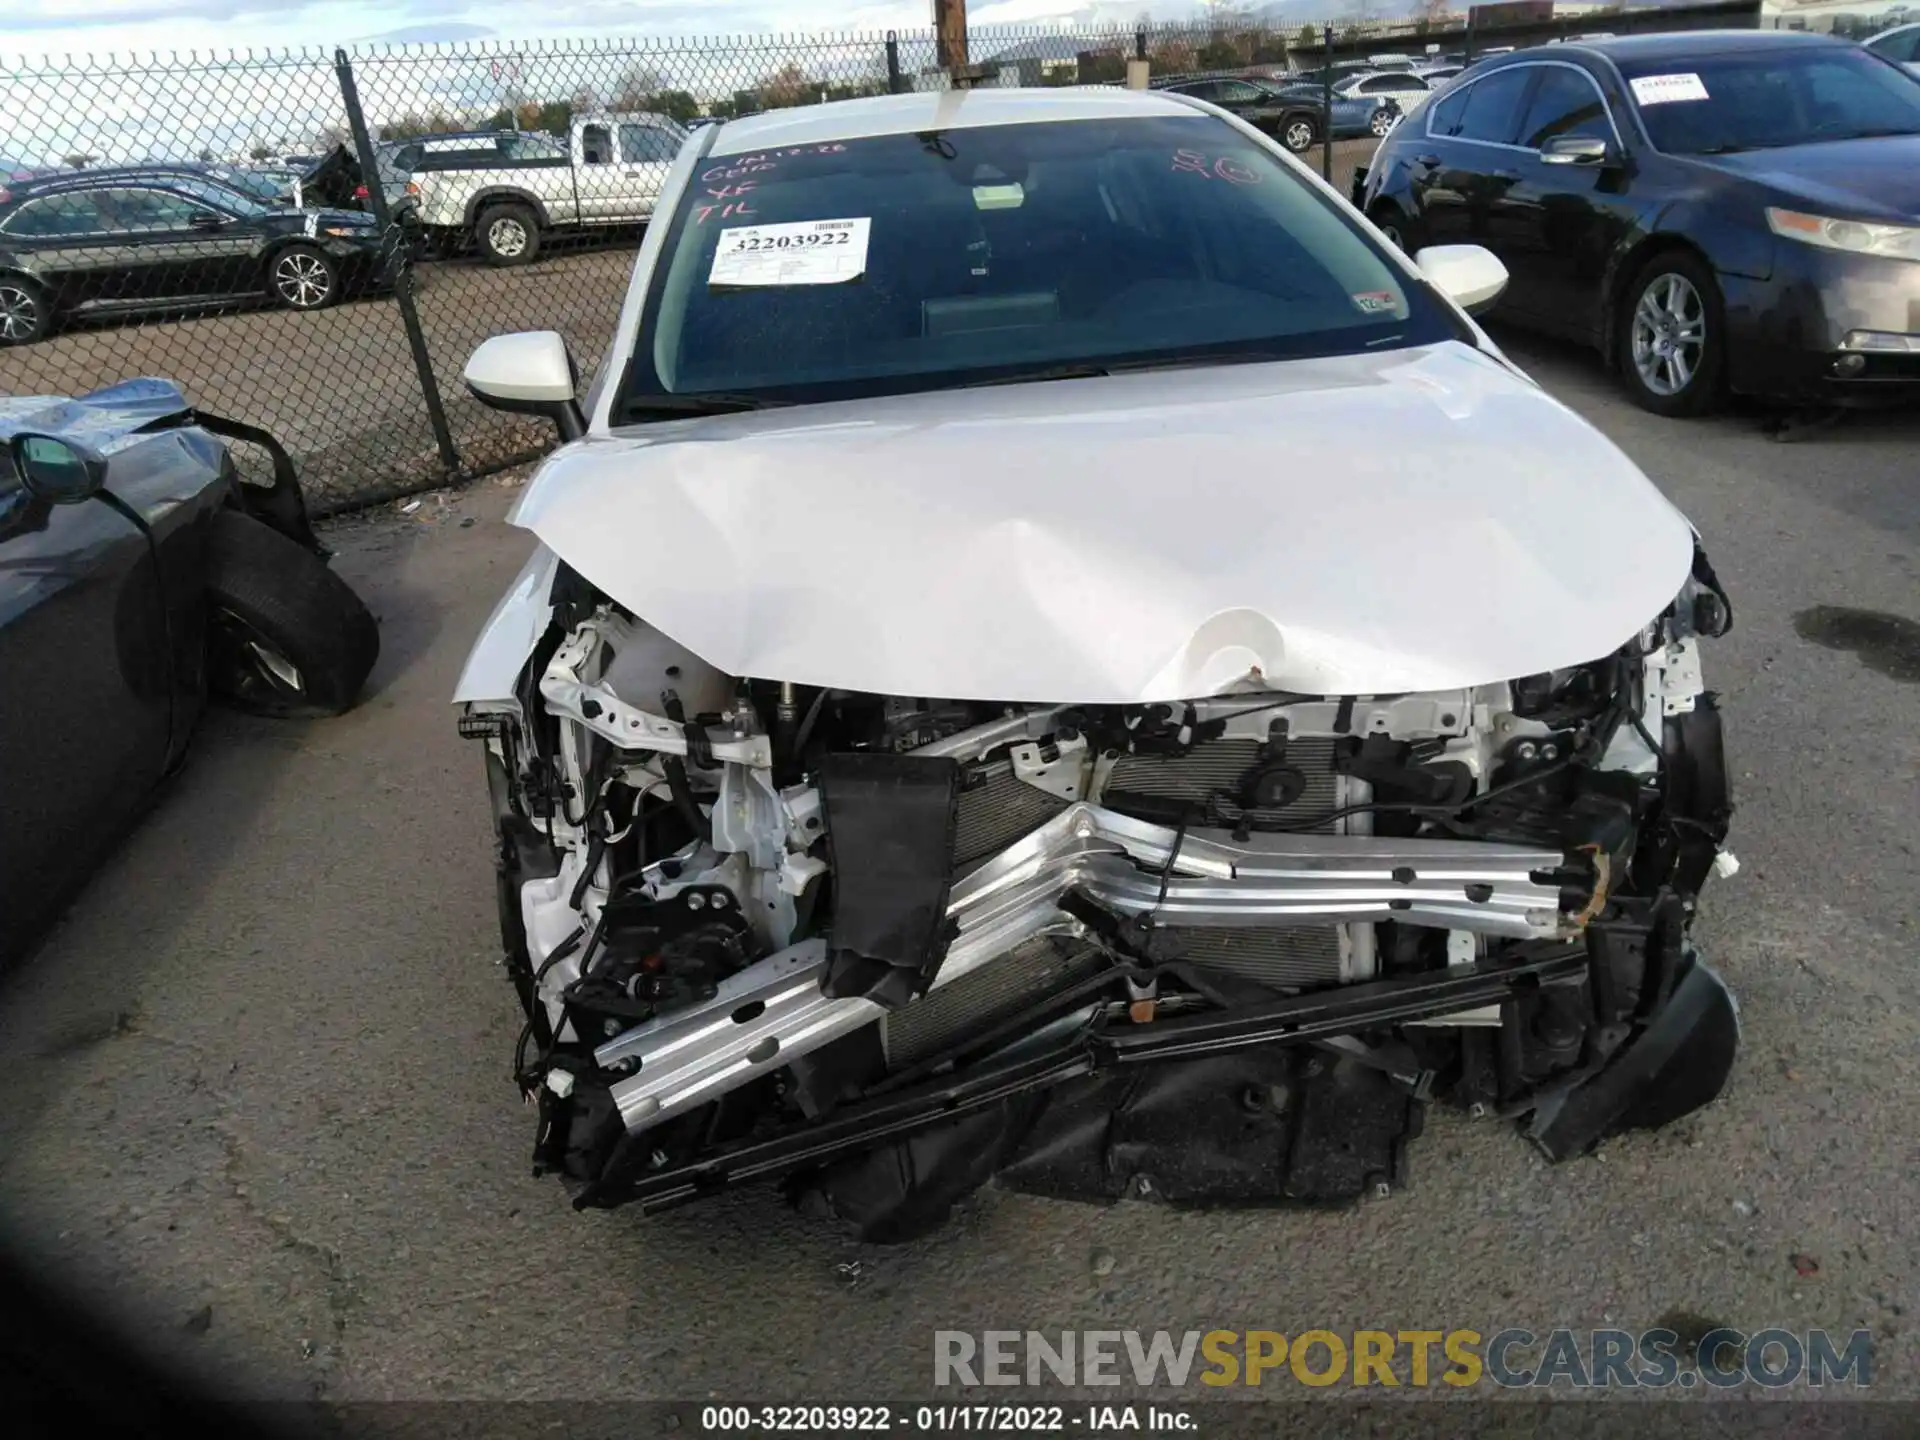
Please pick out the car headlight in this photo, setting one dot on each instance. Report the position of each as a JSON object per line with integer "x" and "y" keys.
{"x": 1898, "y": 242}
{"x": 344, "y": 232}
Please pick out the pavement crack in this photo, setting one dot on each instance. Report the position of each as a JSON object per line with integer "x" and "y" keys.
{"x": 342, "y": 1289}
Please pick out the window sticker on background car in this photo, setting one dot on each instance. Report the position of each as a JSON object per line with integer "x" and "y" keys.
{"x": 1375, "y": 302}
{"x": 1661, "y": 89}
{"x": 806, "y": 252}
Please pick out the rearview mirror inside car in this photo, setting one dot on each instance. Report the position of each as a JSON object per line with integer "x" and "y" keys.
{"x": 1469, "y": 275}
{"x": 1574, "y": 150}
{"x": 529, "y": 373}
{"x": 58, "y": 471}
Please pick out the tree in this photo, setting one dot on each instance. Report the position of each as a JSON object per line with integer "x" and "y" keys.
{"x": 80, "y": 160}
{"x": 1308, "y": 38}
{"x": 1102, "y": 67}
{"x": 261, "y": 152}
{"x": 786, "y": 87}
{"x": 1433, "y": 13}
{"x": 412, "y": 123}
{"x": 680, "y": 104}
{"x": 1219, "y": 53}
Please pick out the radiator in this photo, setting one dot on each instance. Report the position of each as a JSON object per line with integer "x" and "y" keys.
{"x": 973, "y": 1004}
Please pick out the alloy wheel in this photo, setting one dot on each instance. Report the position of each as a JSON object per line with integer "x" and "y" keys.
{"x": 302, "y": 280}
{"x": 1381, "y": 123}
{"x": 1669, "y": 334}
{"x": 1299, "y": 136}
{"x": 19, "y": 314}
{"x": 506, "y": 236}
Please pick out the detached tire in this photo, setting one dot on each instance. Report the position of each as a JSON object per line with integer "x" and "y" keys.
{"x": 509, "y": 234}
{"x": 286, "y": 636}
{"x": 1673, "y": 336}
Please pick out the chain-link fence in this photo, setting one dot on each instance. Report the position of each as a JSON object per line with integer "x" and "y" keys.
{"x": 314, "y": 242}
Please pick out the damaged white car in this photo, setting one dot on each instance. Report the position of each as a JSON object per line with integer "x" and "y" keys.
{"x": 1056, "y": 653}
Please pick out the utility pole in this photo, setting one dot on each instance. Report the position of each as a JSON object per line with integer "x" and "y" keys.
{"x": 950, "y": 44}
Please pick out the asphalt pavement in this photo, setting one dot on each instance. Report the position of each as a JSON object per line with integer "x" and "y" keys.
{"x": 258, "y": 1105}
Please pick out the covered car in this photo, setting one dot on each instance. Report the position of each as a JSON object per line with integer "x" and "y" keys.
{"x": 905, "y": 774}
{"x": 139, "y": 572}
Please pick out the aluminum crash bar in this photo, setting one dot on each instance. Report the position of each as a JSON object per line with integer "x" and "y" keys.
{"x": 772, "y": 1012}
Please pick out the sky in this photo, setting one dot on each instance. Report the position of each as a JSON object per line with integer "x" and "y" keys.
{"x": 98, "y": 27}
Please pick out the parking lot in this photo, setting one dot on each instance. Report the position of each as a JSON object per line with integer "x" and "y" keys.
{"x": 260, "y": 1106}
{"x": 339, "y": 386}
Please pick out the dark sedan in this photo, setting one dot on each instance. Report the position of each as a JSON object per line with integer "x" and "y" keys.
{"x": 1291, "y": 116}
{"x": 138, "y": 572}
{"x": 77, "y": 244}
{"x": 1716, "y": 210}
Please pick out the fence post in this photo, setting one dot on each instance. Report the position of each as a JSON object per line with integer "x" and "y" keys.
{"x": 1468, "y": 57}
{"x": 896, "y": 82}
{"x": 1140, "y": 43}
{"x": 1326, "y": 101}
{"x": 403, "y": 277}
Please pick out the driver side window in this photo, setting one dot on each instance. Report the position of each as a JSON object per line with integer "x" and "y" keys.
{"x": 1564, "y": 103}
{"x": 155, "y": 210}
{"x": 1899, "y": 47}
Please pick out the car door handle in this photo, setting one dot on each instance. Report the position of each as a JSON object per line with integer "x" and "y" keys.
{"x": 1510, "y": 176}
{"x": 1430, "y": 161}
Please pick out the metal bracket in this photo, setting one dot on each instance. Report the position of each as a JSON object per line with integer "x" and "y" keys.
{"x": 1064, "y": 775}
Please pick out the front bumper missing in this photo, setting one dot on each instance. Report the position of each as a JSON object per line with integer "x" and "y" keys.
{"x": 772, "y": 1012}
{"x": 1293, "y": 1020}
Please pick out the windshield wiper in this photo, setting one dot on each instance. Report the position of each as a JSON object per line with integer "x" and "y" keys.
{"x": 717, "y": 403}
{"x": 1125, "y": 367}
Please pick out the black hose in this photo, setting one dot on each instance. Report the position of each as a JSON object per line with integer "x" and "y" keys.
{"x": 682, "y": 792}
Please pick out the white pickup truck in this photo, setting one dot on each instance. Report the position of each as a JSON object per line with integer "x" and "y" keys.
{"x": 503, "y": 192}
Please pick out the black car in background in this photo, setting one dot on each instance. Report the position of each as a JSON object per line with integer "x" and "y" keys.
{"x": 1298, "y": 121}
{"x": 81, "y": 243}
{"x": 1713, "y": 210}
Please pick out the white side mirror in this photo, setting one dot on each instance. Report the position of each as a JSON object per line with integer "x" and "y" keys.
{"x": 1469, "y": 275}
{"x": 530, "y": 373}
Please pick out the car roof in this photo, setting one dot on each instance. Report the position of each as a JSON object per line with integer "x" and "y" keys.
{"x": 940, "y": 110}
{"x": 1681, "y": 44}
{"x": 1891, "y": 30}
{"x": 114, "y": 177}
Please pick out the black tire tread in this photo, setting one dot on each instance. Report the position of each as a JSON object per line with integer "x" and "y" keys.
{"x": 292, "y": 598}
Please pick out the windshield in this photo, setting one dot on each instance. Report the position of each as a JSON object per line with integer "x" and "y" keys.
{"x": 1760, "y": 99}
{"x": 915, "y": 262}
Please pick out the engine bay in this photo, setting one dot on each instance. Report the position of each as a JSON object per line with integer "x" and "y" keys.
{"x": 1222, "y": 950}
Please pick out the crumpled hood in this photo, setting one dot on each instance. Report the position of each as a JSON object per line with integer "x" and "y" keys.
{"x": 1414, "y": 520}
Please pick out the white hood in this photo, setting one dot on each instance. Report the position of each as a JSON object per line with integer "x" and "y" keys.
{"x": 1413, "y": 520}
